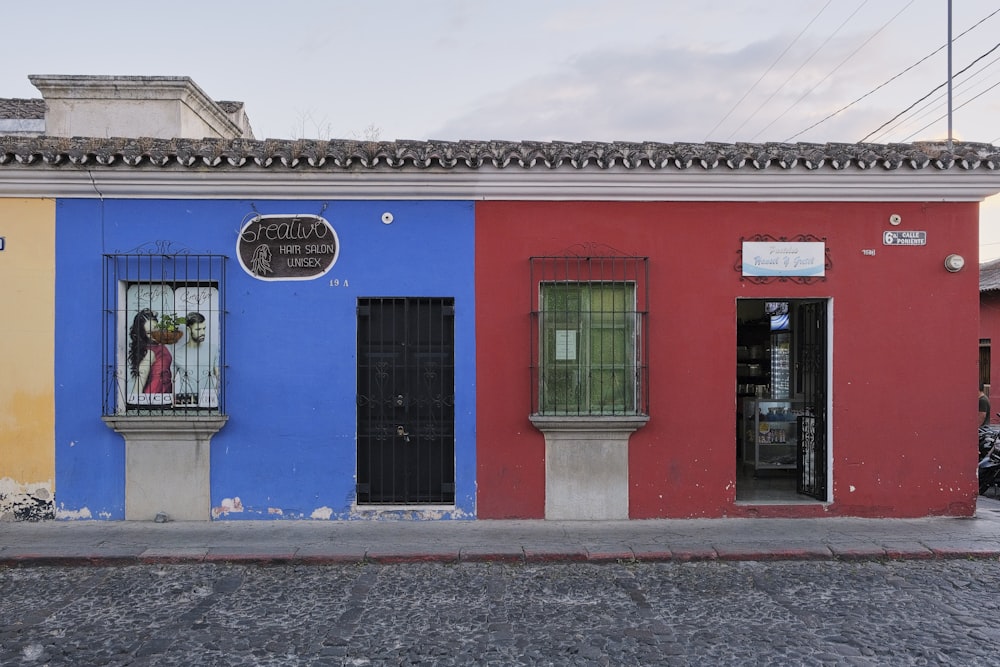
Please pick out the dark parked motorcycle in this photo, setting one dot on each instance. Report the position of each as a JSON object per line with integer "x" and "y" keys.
{"x": 989, "y": 457}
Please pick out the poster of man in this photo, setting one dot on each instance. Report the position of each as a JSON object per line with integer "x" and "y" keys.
{"x": 178, "y": 368}
{"x": 196, "y": 360}
{"x": 196, "y": 366}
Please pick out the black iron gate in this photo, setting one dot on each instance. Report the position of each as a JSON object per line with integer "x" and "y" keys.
{"x": 406, "y": 406}
{"x": 810, "y": 371}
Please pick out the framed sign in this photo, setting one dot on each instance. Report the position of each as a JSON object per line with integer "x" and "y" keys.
{"x": 287, "y": 247}
{"x": 784, "y": 258}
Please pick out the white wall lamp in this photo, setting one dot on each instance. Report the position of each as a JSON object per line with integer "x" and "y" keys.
{"x": 954, "y": 263}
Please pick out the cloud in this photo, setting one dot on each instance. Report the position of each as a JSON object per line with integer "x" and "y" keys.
{"x": 675, "y": 94}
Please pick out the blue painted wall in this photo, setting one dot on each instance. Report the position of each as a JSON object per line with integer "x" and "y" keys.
{"x": 288, "y": 450}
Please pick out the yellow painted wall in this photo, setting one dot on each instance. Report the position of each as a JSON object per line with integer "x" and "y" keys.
{"x": 27, "y": 376}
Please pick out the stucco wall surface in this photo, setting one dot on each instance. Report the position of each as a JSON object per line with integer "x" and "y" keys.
{"x": 27, "y": 270}
{"x": 903, "y": 354}
{"x": 289, "y": 447}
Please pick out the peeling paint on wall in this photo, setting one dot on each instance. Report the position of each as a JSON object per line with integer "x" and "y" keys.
{"x": 27, "y": 411}
{"x": 227, "y": 506}
{"x": 82, "y": 513}
{"x": 26, "y": 502}
{"x": 321, "y": 513}
{"x": 411, "y": 513}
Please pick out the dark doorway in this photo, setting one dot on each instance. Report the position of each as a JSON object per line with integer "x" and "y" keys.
{"x": 406, "y": 401}
{"x": 782, "y": 400}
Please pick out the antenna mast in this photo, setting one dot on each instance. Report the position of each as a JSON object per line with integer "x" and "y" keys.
{"x": 949, "y": 76}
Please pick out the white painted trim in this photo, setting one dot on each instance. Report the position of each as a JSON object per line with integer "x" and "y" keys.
{"x": 22, "y": 125}
{"x": 511, "y": 183}
{"x": 829, "y": 401}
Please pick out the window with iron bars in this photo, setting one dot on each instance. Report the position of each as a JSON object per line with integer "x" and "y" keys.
{"x": 588, "y": 335}
{"x": 164, "y": 334}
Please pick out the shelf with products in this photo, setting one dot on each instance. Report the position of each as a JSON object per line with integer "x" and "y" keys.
{"x": 770, "y": 433}
{"x": 753, "y": 359}
{"x": 752, "y": 371}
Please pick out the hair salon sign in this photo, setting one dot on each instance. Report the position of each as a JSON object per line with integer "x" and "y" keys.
{"x": 287, "y": 247}
{"x": 777, "y": 258}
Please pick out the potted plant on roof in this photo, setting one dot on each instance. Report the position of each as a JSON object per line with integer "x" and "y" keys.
{"x": 166, "y": 329}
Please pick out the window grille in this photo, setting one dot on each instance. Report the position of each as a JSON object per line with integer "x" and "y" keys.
{"x": 588, "y": 335}
{"x": 406, "y": 400}
{"x": 984, "y": 362}
{"x": 164, "y": 334}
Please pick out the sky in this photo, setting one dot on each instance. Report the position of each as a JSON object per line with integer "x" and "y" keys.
{"x": 568, "y": 70}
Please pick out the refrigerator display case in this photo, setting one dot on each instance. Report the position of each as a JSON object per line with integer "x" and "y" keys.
{"x": 781, "y": 365}
{"x": 770, "y": 433}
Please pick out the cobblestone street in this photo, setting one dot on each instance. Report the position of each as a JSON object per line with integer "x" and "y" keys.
{"x": 788, "y": 612}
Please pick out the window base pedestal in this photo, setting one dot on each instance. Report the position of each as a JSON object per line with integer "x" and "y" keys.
{"x": 586, "y": 466}
{"x": 167, "y": 465}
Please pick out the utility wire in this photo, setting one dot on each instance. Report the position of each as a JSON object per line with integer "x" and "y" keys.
{"x": 907, "y": 109}
{"x": 831, "y": 72}
{"x": 761, "y": 78}
{"x": 793, "y": 74}
{"x": 883, "y": 85}
{"x": 955, "y": 109}
{"x": 934, "y": 104}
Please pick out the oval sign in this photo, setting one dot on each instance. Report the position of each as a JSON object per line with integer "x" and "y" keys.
{"x": 287, "y": 247}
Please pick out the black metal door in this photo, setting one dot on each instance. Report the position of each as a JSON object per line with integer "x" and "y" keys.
{"x": 810, "y": 371}
{"x": 406, "y": 400}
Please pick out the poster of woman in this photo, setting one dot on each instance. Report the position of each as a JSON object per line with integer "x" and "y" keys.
{"x": 180, "y": 370}
{"x": 148, "y": 367}
{"x": 150, "y": 362}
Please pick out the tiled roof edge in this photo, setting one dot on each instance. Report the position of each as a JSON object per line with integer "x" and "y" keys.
{"x": 229, "y": 106}
{"x": 22, "y": 108}
{"x": 989, "y": 275}
{"x": 348, "y": 154}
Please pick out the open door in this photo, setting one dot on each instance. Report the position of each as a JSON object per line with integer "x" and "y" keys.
{"x": 810, "y": 353}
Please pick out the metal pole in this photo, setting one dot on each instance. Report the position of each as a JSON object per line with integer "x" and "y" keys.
{"x": 949, "y": 75}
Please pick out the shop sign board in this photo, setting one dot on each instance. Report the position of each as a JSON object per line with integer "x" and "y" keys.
{"x": 287, "y": 247}
{"x": 778, "y": 258}
{"x": 904, "y": 238}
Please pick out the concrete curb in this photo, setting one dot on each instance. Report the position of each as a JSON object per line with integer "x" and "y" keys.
{"x": 249, "y": 556}
{"x": 110, "y": 544}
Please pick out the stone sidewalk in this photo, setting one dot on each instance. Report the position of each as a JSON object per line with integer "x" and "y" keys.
{"x": 328, "y": 542}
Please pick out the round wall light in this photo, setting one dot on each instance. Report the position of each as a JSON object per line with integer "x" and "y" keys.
{"x": 954, "y": 263}
{"x": 387, "y": 218}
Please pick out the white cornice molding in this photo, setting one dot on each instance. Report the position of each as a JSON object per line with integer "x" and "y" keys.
{"x": 617, "y": 184}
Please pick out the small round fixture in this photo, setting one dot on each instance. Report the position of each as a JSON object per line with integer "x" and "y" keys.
{"x": 954, "y": 263}
{"x": 895, "y": 219}
{"x": 387, "y": 218}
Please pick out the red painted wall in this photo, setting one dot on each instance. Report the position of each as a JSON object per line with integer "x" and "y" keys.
{"x": 989, "y": 328}
{"x": 904, "y": 352}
